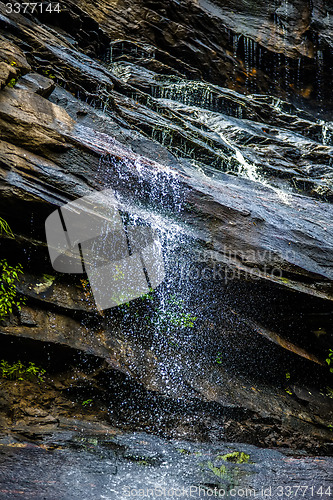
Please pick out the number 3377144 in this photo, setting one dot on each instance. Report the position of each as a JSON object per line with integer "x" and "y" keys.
{"x": 34, "y": 7}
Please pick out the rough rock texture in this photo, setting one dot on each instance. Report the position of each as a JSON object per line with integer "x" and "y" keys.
{"x": 240, "y": 188}
{"x": 236, "y": 44}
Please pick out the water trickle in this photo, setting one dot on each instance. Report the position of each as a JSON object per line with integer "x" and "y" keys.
{"x": 327, "y": 133}
{"x": 298, "y": 74}
{"x": 217, "y": 127}
{"x": 119, "y": 48}
{"x": 247, "y": 58}
{"x": 320, "y": 72}
{"x": 188, "y": 92}
{"x": 235, "y": 42}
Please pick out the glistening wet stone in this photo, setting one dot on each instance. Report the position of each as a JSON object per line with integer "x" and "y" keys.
{"x": 93, "y": 467}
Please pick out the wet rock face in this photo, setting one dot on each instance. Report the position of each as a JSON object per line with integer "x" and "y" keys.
{"x": 105, "y": 458}
{"x": 280, "y": 47}
{"x": 152, "y": 101}
{"x": 279, "y": 26}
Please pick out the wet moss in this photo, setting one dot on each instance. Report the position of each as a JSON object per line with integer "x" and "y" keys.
{"x": 236, "y": 457}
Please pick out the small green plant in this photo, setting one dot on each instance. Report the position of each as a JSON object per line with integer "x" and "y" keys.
{"x": 228, "y": 474}
{"x": 329, "y": 392}
{"x": 236, "y": 457}
{"x": 87, "y": 402}
{"x": 93, "y": 441}
{"x": 149, "y": 295}
{"x": 4, "y": 228}
{"x": 150, "y": 313}
{"x": 288, "y": 380}
{"x": 219, "y": 358}
{"x": 183, "y": 451}
{"x": 20, "y": 371}
{"x": 143, "y": 463}
{"x": 146, "y": 299}
{"x": 48, "y": 278}
{"x": 47, "y": 72}
{"x": 12, "y": 82}
{"x": 221, "y": 472}
{"x": 329, "y": 360}
{"x": 172, "y": 318}
{"x": 174, "y": 315}
{"x": 9, "y": 275}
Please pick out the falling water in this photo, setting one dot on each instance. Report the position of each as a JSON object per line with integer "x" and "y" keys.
{"x": 235, "y": 43}
{"x": 320, "y": 71}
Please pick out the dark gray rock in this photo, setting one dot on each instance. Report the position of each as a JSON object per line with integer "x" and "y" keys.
{"x": 37, "y": 83}
{"x": 236, "y": 184}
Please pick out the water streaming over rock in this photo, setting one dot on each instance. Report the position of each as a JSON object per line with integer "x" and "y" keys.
{"x": 264, "y": 139}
